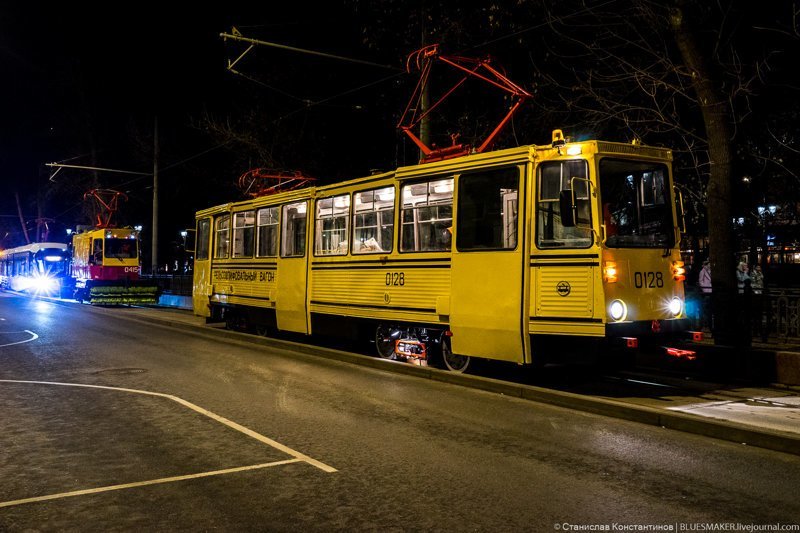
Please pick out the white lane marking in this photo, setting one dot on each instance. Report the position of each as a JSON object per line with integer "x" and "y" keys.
{"x": 33, "y": 335}
{"x": 145, "y": 483}
{"x": 233, "y": 425}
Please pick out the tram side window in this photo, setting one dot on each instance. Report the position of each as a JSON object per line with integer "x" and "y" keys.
{"x": 373, "y": 221}
{"x": 488, "y": 210}
{"x": 293, "y": 230}
{"x": 97, "y": 252}
{"x": 427, "y": 216}
{"x": 267, "y": 221}
{"x": 223, "y": 239}
{"x": 553, "y": 178}
{"x": 21, "y": 264}
{"x": 243, "y": 233}
{"x": 203, "y": 235}
{"x": 333, "y": 215}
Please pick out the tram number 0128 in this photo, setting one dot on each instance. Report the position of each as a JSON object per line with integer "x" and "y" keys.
{"x": 648, "y": 280}
{"x": 397, "y": 279}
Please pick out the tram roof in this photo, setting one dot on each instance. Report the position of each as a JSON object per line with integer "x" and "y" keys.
{"x": 457, "y": 165}
{"x": 35, "y": 247}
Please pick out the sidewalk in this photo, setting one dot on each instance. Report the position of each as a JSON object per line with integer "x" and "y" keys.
{"x": 767, "y": 417}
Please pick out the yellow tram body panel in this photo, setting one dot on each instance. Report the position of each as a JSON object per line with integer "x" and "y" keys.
{"x": 645, "y": 282}
{"x": 566, "y": 299}
{"x": 390, "y": 291}
{"x": 246, "y": 284}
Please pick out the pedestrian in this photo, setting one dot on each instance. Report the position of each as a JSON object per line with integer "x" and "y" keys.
{"x": 742, "y": 276}
{"x": 760, "y": 318}
{"x": 704, "y": 279}
{"x": 757, "y": 279}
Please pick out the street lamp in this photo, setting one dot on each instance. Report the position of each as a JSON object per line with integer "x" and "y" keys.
{"x": 184, "y": 265}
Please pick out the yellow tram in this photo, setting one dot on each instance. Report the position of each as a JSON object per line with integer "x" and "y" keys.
{"x": 510, "y": 255}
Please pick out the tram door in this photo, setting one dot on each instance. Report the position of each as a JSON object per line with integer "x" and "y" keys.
{"x": 486, "y": 300}
{"x": 292, "y": 274}
{"x": 202, "y": 284}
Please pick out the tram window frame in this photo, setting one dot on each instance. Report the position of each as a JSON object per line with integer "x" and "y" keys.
{"x": 203, "y": 238}
{"x": 294, "y": 247}
{"x": 243, "y": 242}
{"x": 547, "y": 206}
{"x": 222, "y": 239}
{"x": 329, "y": 237}
{"x": 96, "y": 257}
{"x": 374, "y": 220}
{"x": 436, "y": 210}
{"x": 269, "y": 232}
{"x": 483, "y": 222}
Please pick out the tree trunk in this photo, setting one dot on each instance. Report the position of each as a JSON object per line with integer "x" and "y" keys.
{"x": 716, "y": 118}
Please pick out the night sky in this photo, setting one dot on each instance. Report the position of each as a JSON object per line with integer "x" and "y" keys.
{"x": 82, "y": 85}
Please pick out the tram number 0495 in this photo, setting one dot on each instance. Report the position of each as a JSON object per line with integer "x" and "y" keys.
{"x": 648, "y": 280}
{"x": 397, "y": 279}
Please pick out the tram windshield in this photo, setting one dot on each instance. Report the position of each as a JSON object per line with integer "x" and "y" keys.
{"x": 50, "y": 262}
{"x": 121, "y": 248}
{"x": 636, "y": 208}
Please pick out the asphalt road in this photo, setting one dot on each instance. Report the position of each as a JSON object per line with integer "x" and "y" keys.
{"x": 116, "y": 425}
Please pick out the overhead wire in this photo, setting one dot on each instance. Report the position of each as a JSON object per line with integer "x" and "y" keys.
{"x": 345, "y": 93}
{"x": 308, "y": 102}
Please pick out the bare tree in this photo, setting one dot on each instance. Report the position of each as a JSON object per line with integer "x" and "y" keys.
{"x": 669, "y": 73}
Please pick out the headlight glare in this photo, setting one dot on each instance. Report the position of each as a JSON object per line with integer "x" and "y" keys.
{"x": 675, "y": 306}
{"x": 617, "y": 310}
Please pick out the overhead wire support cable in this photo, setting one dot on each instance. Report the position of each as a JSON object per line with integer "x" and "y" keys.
{"x": 236, "y": 36}
{"x": 59, "y": 166}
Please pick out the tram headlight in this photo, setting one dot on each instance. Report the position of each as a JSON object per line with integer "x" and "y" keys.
{"x": 675, "y": 306}
{"x": 618, "y": 310}
{"x": 44, "y": 284}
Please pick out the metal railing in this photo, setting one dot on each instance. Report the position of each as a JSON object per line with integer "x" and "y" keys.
{"x": 770, "y": 316}
{"x": 176, "y": 284}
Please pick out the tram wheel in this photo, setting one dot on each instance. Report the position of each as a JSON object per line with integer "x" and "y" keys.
{"x": 454, "y": 362}
{"x": 384, "y": 343}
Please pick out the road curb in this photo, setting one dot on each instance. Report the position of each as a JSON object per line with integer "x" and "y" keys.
{"x": 678, "y": 421}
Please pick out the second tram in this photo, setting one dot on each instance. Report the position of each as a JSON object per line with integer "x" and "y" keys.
{"x": 106, "y": 268}
{"x": 38, "y": 269}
